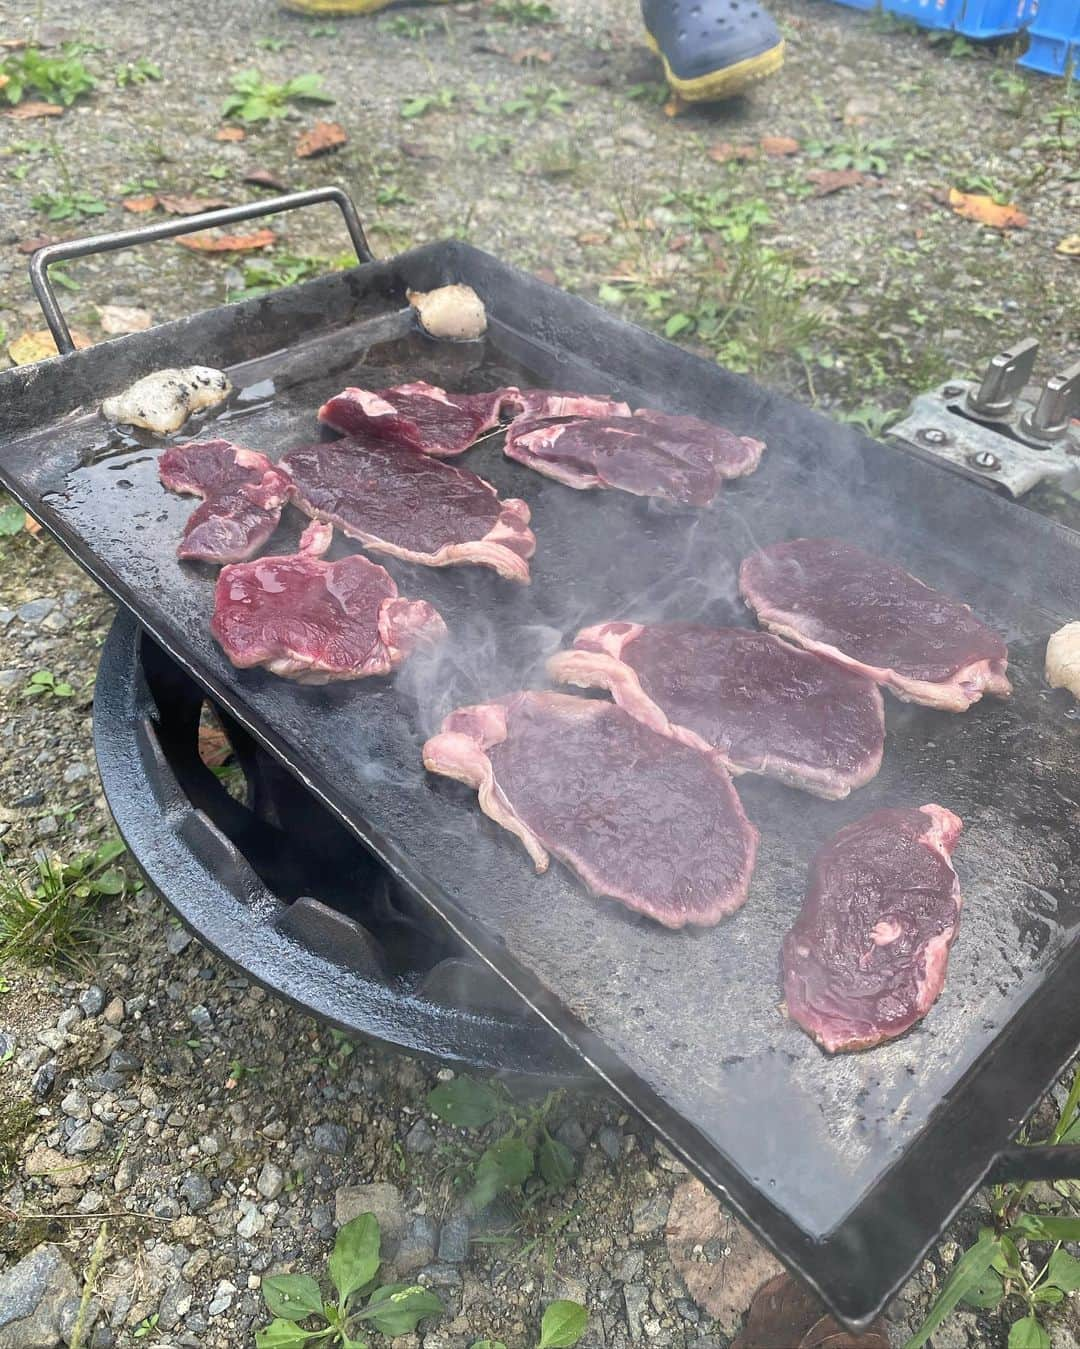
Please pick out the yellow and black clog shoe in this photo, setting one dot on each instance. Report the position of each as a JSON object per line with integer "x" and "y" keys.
{"x": 712, "y": 49}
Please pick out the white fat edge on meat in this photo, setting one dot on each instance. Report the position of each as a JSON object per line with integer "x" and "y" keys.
{"x": 163, "y": 401}
{"x": 454, "y": 312}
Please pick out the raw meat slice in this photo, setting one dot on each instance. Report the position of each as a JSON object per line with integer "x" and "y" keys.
{"x": 868, "y": 953}
{"x": 531, "y": 405}
{"x": 243, "y": 496}
{"x": 875, "y": 618}
{"x": 316, "y": 621}
{"x": 640, "y": 818}
{"x": 420, "y": 416}
{"x": 649, "y": 454}
{"x": 762, "y": 705}
{"x": 399, "y": 502}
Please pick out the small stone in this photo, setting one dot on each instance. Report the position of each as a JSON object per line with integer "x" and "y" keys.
{"x": 53, "y": 1167}
{"x": 92, "y": 1202}
{"x": 454, "y": 1240}
{"x": 75, "y": 773}
{"x": 200, "y": 1017}
{"x": 68, "y": 1019}
{"x": 610, "y": 1141}
{"x": 69, "y": 1314}
{"x": 32, "y": 1058}
{"x": 635, "y": 1299}
{"x": 114, "y": 1012}
{"x": 42, "y": 1081}
{"x": 331, "y": 1138}
{"x": 636, "y": 135}
{"x": 631, "y": 1267}
{"x": 7, "y": 1045}
{"x": 420, "y": 1139}
{"x": 52, "y": 1039}
{"x": 87, "y": 1137}
{"x": 571, "y": 1135}
{"x": 175, "y": 1305}
{"x": 271, "y": 1181}
{"x": 196, "y": 1191}
{"x": 47, "y": 826}
{"x": 222, "y": 1299}
{"x": 177, "y": 939}
{"x": 209, "y": 1146}
{"x": 32, "y": 1294}
{"x": 382, "y": 1199}
{"x": 124, "y": 1064}
{"x": 125, "y": 1175}
{"x": 417, "y": 1247}
{"x": 102, "y": 1338}
{"x": 322, "y": 1219}
{"x": 9, "y": 678}
{"x": 650, "y": 1214}
{"x": 35, "y": 610}
{"x": 440, "y": 1276}
{"x": 252, "y": 1223}
{"x": 275, "y": 1130}
{"x": 167, "y": 1208}
{"x": 195, "y": 1266}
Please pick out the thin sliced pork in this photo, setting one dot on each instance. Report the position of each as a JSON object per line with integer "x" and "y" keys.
{"x": 639, "y": 817}
{"x": 243, "y": 495}
{"x": 873, "y": 617}
{"x": 315, "y": 621}
{"x": 868, "y": 954}
{"x": 764, "y": 706}
{"x": 405, "y": 504}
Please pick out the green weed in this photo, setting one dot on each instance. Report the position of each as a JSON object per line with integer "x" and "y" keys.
{"x": 1020, "y": 1258}
{"x": 146, "y": 1327}
{"x": 68, "y": 204}
{"x": 523, "y": 11}
{"x": 867, "y": 156}
{"x": 48, "y": 908}
{"x": 262, "y": 275}
{"x": 874, "y": 421}
{"x": 490, "y": 144}
{"x": 16, "y": 1121}
{"x": 12, "y": 515}
{"x": 272, "y": 44}
{"x": 44, "y": 682}
{"x": 255, "y": 99}
{"x": 136, "y": 72}
{"x": 296, "y": 1300}
{"x": 536, "y": 101}
{"x": 421, "y": 104}
{"x": 409, "y": 26}
{"x": 57, "y": 79}
{"x": 562, "y": 1325}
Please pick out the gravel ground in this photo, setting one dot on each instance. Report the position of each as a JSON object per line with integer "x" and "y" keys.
{"x": 211, "y": 1132}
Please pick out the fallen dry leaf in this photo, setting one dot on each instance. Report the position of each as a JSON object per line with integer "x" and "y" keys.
{"x": 547, "y": 275}
{"x": 12, "y": 43}
{"x": 31, "y": 347}
{"x": 735, "y": 1264}
{"x": 414, "y": 150}
{"x": 675, "y": 106}
{"x": 214, "y": 747}
{"x": 181, "y": 204}
{"x": 122, "y": 318}
{"x": 37, "y": 241}
{"x": 679, "y": 242}
{"x": 24, "y": 111}
{"x": 722, "y": 151}
{"x": 593, "y": 238}
{"x": 976, "y": 206}
{"x": 533, "y": 56}
{"x": 227, "y": 243}
{"x": 264, "y": 178}
{"x": 778, "y": 146}
{"x": 320, "y": 140}
{"x": 137, "y": 205}
{"x": 230, "y": 133}
{"x": 31, "y": 526}
{"x": 1070, "y": 246}
{"x": 785, "y": 1314}
{"x": 827, "y": 181}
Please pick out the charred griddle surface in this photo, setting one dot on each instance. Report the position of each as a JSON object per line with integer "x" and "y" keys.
{"x": 686, "y": 1024}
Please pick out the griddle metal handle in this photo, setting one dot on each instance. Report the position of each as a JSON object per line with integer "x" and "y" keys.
{"x": 1060, "y": 1162}
{"x": 43, "y": 258}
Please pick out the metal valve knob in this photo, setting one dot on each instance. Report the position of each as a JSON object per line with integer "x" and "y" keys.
{"x": 1058, "y": 404}
{"x": 1005, "y": 377}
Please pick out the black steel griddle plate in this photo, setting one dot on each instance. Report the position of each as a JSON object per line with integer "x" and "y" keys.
{"x": 847, "y": 1166}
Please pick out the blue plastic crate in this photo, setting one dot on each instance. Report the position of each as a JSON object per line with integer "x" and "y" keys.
{"x": 973, "y": 18}
{"x": 1055, "y": 38}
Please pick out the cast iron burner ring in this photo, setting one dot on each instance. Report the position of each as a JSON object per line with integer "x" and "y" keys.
{"x": 283, "y": 891}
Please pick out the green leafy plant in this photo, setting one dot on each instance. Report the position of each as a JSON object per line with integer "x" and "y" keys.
{"x": 68, "y": 203}
{"x": 137, "y": 72}
{"x": 262, "y": 275}
{"x": 718, "y": 212}
{"x": 58, "y": 79}
{"x": 873, "y": 420}
{"x": 524, "y": 1151}
{"x": 1019, "y": 1258}
{"x": 272, "y": 44}
{"x": 295, "y": 1299}
{"x": 255, "y": 99}
{"x": 523, "y": 11}
{"x": 536, "y": 101}
{"x": 12, "y": 519}
{"x": 47, "y": 909}
{"x": 408, "y": 26}
{"x": 562, "y": 1325}
{"x": 45, "y": 682}
{"x": 421, "y": 104}
{"x": 866, "y": 156}
{"x": 146, "y": 1327}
